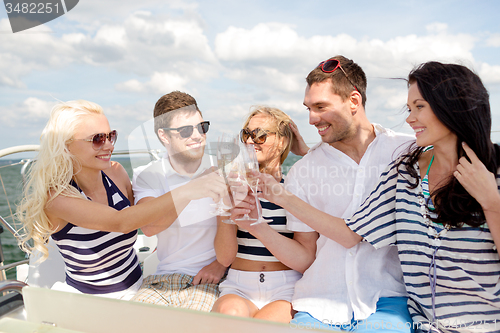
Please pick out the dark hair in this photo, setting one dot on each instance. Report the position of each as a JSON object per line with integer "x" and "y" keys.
{"x": 172, "y": 102}
{"x": 460, "y": 101}
{"x": 341, "y": 85}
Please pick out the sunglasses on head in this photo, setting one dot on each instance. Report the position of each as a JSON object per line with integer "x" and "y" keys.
{"x": 187, "y": 131}
{"x": 98, "y": 140}
{"x": 329, "y": 66}
{"x": 258, "y": 135}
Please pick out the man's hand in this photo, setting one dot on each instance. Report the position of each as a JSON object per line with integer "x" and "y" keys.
{"x": 272, "y": 190}
{"x": 212, "y": 273}
{"x": 299, "y": 147}
{"x": 208, "y": 184}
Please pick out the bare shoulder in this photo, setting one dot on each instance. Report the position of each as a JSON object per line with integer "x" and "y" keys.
{"x": 118, "y": 175}
{"x": 116, "y": 171}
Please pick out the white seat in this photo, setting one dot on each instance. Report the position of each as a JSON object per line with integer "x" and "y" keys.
{"x": 150, "y": 264}
{"x": 144, "y": 246}
{"x": 10, "y": 325}
{"x": 45, "y": 274}
{"x": 87, "y": 313}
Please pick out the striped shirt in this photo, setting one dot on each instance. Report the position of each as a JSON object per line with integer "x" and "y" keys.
{"x": 251, "y": 248}
{"x": 99, "y": 262}
{"x": 466, "y": 263}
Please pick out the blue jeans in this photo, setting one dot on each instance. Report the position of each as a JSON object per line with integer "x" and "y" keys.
{"x": 391, "y": 316}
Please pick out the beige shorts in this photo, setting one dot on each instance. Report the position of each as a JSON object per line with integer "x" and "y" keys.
{"x": 177, "y": 290}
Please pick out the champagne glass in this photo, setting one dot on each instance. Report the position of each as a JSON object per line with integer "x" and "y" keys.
{"x": 250, "y": 166}
{"x": 227, "y": 150}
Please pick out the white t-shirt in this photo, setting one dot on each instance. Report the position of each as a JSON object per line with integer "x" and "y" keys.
{"x": 188, "y": 244}
{"x": 342, "y": 283}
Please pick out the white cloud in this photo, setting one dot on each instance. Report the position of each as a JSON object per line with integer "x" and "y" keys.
{"x": 265, "y": 40}
{"x": 493, "y": 40}
{"x": 391, "y": 98}
{"x": 24, "y": 52}
{"x": 159, "y": 83}
{"x": 91, "y": 13}
{"x": 31, "y": 110}
{"x": 112, "y": 35}
{"x": 436, "y": 27}
{"x": 489, "y": 74}
{"x": 268, "y": 76}
{"x": 142, "y": 44}
{"x": 278, "y": 57}
{"x": 38, "y": 108}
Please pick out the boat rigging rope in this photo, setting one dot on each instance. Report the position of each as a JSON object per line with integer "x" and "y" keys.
{"x": 7, "y": 198}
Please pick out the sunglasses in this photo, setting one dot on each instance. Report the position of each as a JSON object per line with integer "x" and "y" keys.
{"x": 99, "y": 139}
{"x": 187, "y": 131}
{"x": 258, "y": 135}
{"x": 330, "y": 66}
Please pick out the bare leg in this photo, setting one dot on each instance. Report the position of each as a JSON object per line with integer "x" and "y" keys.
{"x": 235, "y": 305}
{"x": 280, "y": 311}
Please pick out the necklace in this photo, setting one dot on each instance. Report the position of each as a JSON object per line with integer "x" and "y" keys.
{"x": 431, "y": 231}
{"x": 435, "y": 234}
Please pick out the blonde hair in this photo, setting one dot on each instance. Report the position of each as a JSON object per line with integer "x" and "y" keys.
{"x": 51, "y": 174}
{"x": 279, "y": 124}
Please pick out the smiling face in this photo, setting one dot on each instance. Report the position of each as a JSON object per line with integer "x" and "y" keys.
{"x": 268, "y": 153}
{"x": 429, "y": 130}
{"x": 184, "y": 150}
{"x": 328, "y": 112}
{"x": 83, "y": 150}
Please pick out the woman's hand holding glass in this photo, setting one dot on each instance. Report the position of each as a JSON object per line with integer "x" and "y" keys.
{"x": 248, "y": 167}
{"x": 244, "y": 212}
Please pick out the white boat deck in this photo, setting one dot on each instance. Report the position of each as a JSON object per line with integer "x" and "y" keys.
{"x": 54, "y": 311}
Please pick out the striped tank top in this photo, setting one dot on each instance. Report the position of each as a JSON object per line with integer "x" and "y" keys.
{"x": 251, "y": 248}
{"x": 99, "y": 262}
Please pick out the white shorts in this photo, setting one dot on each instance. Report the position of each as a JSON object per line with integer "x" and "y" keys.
{"x": 260, "y": 288}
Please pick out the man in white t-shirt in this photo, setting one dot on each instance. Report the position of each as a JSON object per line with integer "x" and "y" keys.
{"x": 358, "y": 289}
{"x": 188, "y": 273}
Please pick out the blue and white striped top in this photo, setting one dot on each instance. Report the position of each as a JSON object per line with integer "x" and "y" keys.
{"x": 251, "y": 248}
{"x": 467, "y": 294}
{"x": 99, "y": 262}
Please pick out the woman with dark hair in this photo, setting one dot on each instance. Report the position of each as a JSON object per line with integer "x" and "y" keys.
{"x": 439, "y": 204}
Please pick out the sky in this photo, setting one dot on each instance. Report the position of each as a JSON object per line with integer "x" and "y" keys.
{"x": 230, "y": 55}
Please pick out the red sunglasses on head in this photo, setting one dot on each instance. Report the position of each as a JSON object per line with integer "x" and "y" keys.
{"x": 329, "y": 66}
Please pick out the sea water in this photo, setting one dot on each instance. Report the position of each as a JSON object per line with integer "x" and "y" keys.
{"x": 11, "y": 191}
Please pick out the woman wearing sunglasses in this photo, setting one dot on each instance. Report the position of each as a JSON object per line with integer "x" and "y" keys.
{"x": 439, "y": 204}
{"x": 258, "y": 285}
{"x": 77, "y": 195}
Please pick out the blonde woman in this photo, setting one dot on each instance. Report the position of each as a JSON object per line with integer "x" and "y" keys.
{"x": 78, "y": 196}
{"x": 258, "y": 285}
